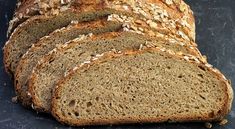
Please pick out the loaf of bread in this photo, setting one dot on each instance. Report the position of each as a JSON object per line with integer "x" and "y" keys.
{"x": 150, "y": 85}
{"x": 47, "y": 43}
{"x": 99, "y": 62}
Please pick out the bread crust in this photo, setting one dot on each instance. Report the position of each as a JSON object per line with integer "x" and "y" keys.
{"x": 177, "y": 9}
{"x": 109, "y": 55}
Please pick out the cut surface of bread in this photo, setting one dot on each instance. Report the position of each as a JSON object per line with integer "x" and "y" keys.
{"x": 141, "y": 86}
{"x": 48, "y": 43}
{"x": 54, "y": 66}
{"x": 177, "y": 10}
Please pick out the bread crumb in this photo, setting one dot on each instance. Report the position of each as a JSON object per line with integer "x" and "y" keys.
{"x": 204, "y": 58}
{"x": 141, "y": 47}
{"x": 183, "y": 7}
{"x": 139, "y": 22}
{"x": 14, "y": 99}
{"x": 32, "y": 106}
{"x": 169, "y": 2}
{"x": 208, "y": 125}
{"x": 223, "y": 122}
{"x": 29, "y": 94}
{"x": 74, "y": 22}
{"x": 152, "y": 24}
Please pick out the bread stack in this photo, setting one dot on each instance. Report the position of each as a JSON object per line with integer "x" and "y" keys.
{"x": 95, "y": 62}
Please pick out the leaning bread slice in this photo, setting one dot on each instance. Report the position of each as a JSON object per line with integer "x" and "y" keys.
{"x": 177, "y": 10}
{"x": 24, "y": 10}
{"x": 54, "y": 66}
{"x": 141, "y": 86}
{"x": 48, "y": 43}
{"x": 156, "y": 15}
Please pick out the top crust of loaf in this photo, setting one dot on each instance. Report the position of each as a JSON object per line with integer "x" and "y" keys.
{"x": 109, "y": 55}
{"x": 178, "y": 11}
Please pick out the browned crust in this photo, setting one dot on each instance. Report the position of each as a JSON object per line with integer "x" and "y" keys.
{"x": 73, "y": 122}
{"x": 25, "y": 5}
{"x": 22, "y": 95}
{"x": 32, "y": 7}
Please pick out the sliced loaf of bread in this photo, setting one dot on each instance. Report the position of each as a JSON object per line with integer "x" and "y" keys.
{"x": 48, "y": 43}
{"x": 31, "y": 57}
{"x": 53, "y": 66}
{"x": 141, "y": 86}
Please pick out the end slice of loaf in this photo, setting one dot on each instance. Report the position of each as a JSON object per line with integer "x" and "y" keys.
{"x": 141, "y": 86}
{"x": 24, "y": 10}
{"x": 48, "y": 43}
{"x": 55, "y": 65}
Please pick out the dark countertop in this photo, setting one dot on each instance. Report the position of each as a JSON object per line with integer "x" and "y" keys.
{"x": 215, "y": 23}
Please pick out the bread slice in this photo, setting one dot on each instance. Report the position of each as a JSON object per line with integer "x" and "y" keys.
{"x": 53, "y": 66}
{"x": 48, "y": 43}
{"x": 24, "y": 10}
{"x": 177, "y": 9}
{"x": 141, "y": 86}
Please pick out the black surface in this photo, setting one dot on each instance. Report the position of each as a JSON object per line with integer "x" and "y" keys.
{"x": 215, "y": 23}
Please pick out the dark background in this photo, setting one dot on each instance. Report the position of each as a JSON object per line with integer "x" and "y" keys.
{"x": 215, "y": 23}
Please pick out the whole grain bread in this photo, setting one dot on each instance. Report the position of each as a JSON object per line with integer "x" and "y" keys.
{"x": 54, "y": 65}
{"x": 48, "y": 43}
{"x": 178, "y": 10}
{"x": 148, "y": 70}
{"x": 150, "y": 86}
